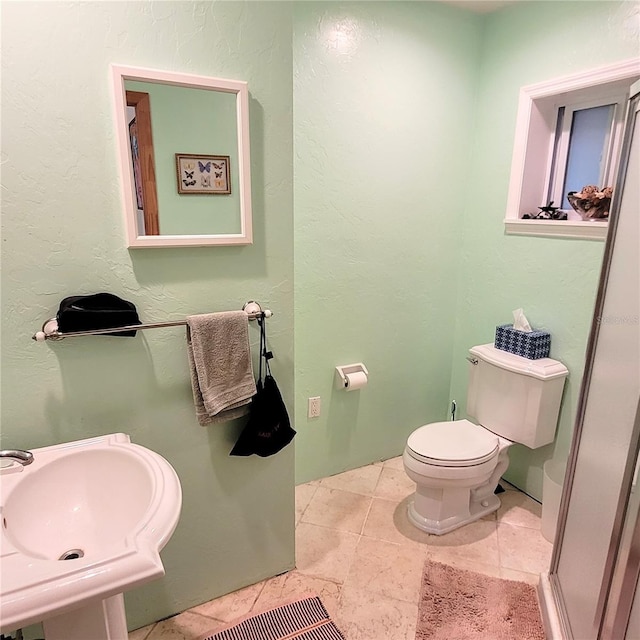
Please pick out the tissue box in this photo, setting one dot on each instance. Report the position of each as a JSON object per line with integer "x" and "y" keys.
{"x": 528, "y": 344}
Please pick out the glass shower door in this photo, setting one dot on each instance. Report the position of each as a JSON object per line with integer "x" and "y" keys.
{"x": 603, "y": 458}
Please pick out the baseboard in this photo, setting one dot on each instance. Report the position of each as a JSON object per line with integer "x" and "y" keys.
{"x": 548, "y": 609}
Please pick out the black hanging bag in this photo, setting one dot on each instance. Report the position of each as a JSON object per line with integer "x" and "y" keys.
{"x": 268, "y": 429}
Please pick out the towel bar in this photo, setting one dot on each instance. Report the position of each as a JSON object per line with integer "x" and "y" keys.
{"x": 50, "y": 327}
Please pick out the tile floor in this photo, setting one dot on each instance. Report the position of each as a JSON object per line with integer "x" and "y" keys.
{"x": 357, "y": 550}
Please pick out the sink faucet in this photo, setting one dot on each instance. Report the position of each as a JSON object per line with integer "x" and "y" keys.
{"x": 18, "y": 455}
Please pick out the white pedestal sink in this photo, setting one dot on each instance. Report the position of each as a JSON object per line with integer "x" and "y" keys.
{"x": 80, "y": 525}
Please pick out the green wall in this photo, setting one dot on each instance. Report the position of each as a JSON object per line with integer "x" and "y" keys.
{"x": 401, "y": 260}
{"x": 382, "y": 124}
{"x": 63, "y": 234}
{"x": 553, "y": 279}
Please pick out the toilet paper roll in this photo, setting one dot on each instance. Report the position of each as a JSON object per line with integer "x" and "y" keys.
{"x": 355, "y": 380}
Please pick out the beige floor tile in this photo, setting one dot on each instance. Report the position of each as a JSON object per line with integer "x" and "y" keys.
{"x": 231, "y": 606}
{"x": 388, "y": 520}
{"x": 342, "y": 510}
{"x": 394, "y": 484}
{"x": 394, "y": 463}
{"x": 142, "y": 633}
{"x": 324, "y": 553}
{"x": 388, "y": 569}
{"x": 523, "y": 549}
{"x": 519, "y": 509}
{"x": 507, "y": 486}
{"x": 294, "y": 584}
{"x": 491, "y": 570}
{"x": 491, "y": 517}
{"x": 370, "y": 583}
{"x": 304, "y": 493}
{"x": 362, "y": 480}
{"x": 475, "y": 542}
{"x": 185, "y": 626}
{"x": 520, "y": 576}
{"x": 364, "y": 615}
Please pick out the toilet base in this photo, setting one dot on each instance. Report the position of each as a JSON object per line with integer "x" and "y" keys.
{"x": 477, "y": 510}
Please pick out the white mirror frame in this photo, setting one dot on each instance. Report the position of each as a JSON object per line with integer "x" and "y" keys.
{"x": 120, "y": 74}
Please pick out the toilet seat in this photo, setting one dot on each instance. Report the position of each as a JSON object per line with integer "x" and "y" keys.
{"x": 458, "y": 443}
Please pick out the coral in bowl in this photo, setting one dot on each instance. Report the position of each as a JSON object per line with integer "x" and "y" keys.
{"x": 591, "y": 203}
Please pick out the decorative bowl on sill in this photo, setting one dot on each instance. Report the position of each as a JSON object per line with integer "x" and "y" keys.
{"x": 591, "y": 203}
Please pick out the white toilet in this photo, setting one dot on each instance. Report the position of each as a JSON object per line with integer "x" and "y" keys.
{"x": 457, "y": 465}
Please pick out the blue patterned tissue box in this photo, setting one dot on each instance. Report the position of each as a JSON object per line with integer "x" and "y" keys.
{"x": 528, "y": 344}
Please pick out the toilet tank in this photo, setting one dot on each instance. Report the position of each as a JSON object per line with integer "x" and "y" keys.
{"x": 514, "y": 397}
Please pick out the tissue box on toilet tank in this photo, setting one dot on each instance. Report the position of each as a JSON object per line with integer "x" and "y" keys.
{"x": 528, "y": 344}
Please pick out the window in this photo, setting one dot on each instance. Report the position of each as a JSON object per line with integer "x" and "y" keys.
{"x": 568, "y": 135}
{"x": 586, "y": 148}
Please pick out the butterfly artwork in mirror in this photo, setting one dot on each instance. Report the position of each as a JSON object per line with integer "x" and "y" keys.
{"x": 181, "y": 139}
{"x": 203, "y": 174}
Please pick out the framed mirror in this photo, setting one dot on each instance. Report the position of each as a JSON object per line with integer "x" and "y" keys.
{"x": 184, "y": 158}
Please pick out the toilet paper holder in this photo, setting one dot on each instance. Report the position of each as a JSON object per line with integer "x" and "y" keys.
{"x": 345, "y": 369}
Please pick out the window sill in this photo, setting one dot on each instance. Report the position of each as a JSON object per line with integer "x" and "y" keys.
{"x": 557, "y": 229}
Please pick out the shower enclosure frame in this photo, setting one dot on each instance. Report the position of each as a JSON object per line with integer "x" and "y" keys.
{"x": 622, "y": 565}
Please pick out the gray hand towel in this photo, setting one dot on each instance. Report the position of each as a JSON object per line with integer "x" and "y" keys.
{"x": 220, "y": 361}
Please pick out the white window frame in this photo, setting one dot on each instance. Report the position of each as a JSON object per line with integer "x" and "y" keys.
{"x": 535, "y": 139}
{"x": 557, "y": 175}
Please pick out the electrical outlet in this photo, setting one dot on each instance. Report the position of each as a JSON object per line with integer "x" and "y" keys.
{"x": 314, "y": 407}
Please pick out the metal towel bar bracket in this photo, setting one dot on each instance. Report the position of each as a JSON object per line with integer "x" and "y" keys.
{"x": 50, "y": 327}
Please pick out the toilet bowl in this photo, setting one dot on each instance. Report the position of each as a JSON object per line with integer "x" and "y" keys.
{"x": 456, "y": 467}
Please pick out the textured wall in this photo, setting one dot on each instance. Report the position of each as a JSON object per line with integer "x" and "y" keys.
{"x": 553, "y": 279}
{"x": 382, "y": 123}
{"x": 63, "y": 234}
{"x": 399, "y": 240}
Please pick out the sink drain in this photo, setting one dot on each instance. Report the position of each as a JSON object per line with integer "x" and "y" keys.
{"x": 72, "y": 554}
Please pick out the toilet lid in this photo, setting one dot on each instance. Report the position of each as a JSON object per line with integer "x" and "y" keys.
{"x": 459, "y": 443}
